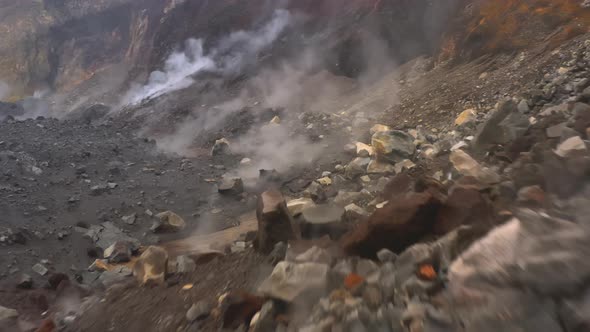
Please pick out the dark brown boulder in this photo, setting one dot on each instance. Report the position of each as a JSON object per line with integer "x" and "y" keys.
{"x": 463, "y": 206}
{"x": 275, "y": 223}
{"x": 399, "y": 224}
{"x": 238, "y": 308}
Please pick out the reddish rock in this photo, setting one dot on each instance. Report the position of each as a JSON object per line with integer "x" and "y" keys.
{"x": 399, "y": 185}
{"x": 464, "y": 205}
{"x": 352, "y": 281}
{"x": 275, "y": 223}
{"x": 533, "y": 195}
{"x": 47, "y": 325}
{"x": 238, "y": 308}
{"x": 400, "y": 223}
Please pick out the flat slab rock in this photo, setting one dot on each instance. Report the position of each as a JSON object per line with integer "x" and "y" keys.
{"x": 289, "y": 281}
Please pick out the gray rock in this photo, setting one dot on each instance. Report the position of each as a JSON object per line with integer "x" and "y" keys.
{"x": 354, "y": 212}
{"x": 380, "y": 167}
{"x": 118, "y": 252}
{"x": 107, "y": 233}
{"x": 198, "y": 311}
{"x": 109, "y": 278}
{"x": 25, "y": 282}
{"x": 40, "y": 269}
{"x": 221, "y": 146}
{"x": 323, "y": 214}
{"x": 570, "y": 146}
{"x": 556, "y": 130}
{"x": 414, "y": 287}
{"x": 130, "y": 219}
{"x": 342, "y": 269}
{"x": 356, "y": 167}
{"x": 372, "y": 297}
{"x": 393, "y": 145}
{"x": 366, "y": 267}
{"x": 323, "y": 219}
{"x": 185, "y": 264}
{"x": 7, "y": 314}
{"x": 265, "y": 320}
{"x": 406, "y": 263}
{"x": 278, "y": 253}
{"x": 467, "y": 166}
{"x": 523, "y": 106}
{"x": 504, "y": 125}
{"x": 314, "y": 191}
{"x": 386, "y": 255}
{"x": 168, "y": 221}
{"x": 344, "y": 198}
{"x": 98, "y": 190}
{"x": 314, "y": 255}
{"x": 289, "y": 281}
{"x": 231, "y": 186}
{"x": 575, "y": 312}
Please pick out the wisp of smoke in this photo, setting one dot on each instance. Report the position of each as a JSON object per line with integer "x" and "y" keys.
{"x": 4, "y": 90}
{"x": 230, "y": 56}
{"x": 273, "y": 147}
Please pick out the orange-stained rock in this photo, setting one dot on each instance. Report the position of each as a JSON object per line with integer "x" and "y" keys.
{"x": 151, "y": 266}
{"x": 426, "y": 272}
{"x": 352, "y": 281}
{"x": 47, "y": 325}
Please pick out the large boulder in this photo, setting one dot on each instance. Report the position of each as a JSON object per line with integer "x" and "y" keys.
{"x": 400, "y": 223}
{"x": 463, "y": 206}
{"x": 107, "y": 233}
{"x": 528, "y": 264}
{"x": 151, "y": 266}
{"x": 275, "y": 223}
{"x": 290, "y": 281}
{"x": 504, "y": 125}
{"x": 393, "y": 145}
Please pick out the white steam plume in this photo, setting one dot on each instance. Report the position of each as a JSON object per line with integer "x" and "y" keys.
{"x": 4, "y": 90}
{"x": 230, "y": 56}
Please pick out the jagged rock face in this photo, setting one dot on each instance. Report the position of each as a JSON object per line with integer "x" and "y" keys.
{"x": 60, "y": 44}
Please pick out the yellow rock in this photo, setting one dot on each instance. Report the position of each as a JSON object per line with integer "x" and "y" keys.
{"x": 295, "y": 206}
{"x": 325, "y": 181}
{"x": 151, "y": 266}
{"x": 171, "y": 221}
{"x": 276, "y": 120}
{"x": 465, "y": 116}
{"x": 379, "y": 127}
{"x": 362, "y": 146}
{"x": 378, "y": 167}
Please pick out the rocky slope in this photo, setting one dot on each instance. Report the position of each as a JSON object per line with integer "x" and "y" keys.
{"x": 305, "y": 195}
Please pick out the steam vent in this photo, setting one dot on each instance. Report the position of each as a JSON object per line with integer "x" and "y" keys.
{"x": 295, "y": 165}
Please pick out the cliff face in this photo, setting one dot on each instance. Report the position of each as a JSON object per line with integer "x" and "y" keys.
{"x": 59, "y": 44}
